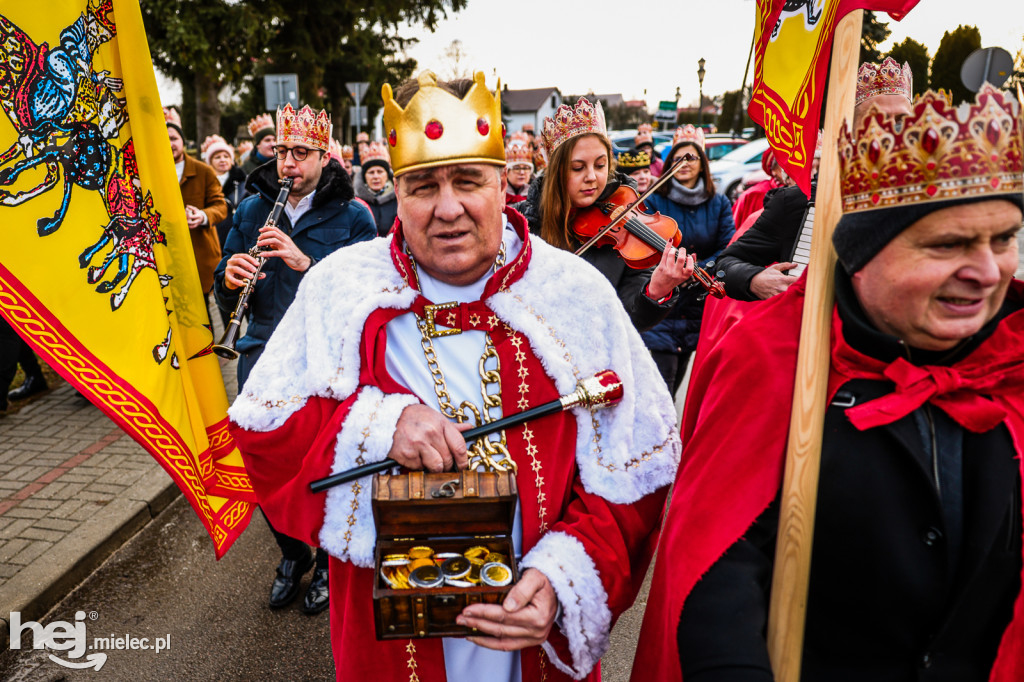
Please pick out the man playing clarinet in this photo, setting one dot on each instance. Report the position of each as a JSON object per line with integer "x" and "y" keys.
{"x": 385, "y": 338}
{"x": 319, "y": 218}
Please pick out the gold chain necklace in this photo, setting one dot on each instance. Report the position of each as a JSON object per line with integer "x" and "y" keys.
{"x": 484, "y": 452}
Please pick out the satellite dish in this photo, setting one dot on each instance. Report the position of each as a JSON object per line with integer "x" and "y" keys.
{"x": 986, "y": 64}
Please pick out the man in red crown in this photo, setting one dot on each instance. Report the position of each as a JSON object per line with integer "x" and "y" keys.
{"x": 347, "y": 380}
{"x": 917, "y": 552}
{"x": 319, "y": 217}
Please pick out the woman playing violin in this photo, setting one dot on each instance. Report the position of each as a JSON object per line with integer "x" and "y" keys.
{"x": 581, "y": 172}
{"x": 705, "y": 220}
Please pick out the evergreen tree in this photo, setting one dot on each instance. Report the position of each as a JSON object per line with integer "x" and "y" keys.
{"x": 953, "y": 49}
{"x": 874, "y": 33}
{"x": 914, "y": 53}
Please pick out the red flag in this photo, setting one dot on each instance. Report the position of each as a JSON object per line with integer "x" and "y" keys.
{"x": 793, "y": 44}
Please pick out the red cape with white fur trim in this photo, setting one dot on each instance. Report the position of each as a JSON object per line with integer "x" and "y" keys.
{"x": 735, "y": 443}
{"x": 321, "y": 400}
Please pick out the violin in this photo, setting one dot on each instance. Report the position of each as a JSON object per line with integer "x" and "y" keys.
{"x": 639, "y": 237}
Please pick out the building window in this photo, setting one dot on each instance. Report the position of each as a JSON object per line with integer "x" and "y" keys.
{"x": 554, "y": 104}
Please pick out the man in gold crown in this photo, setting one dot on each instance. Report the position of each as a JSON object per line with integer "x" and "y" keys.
{"x": 917, "y": 552}
{"x": 320, "y": 217}
{"x": 348, "y": 380}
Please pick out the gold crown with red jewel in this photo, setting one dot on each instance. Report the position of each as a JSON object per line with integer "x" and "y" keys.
{"x": 629, "y": 162}
{"x": 437, "y": 128}
{"x": 572, "y": 121}
{"x": 887, "y": 78}
{"x": 937, "y": 153}
{"x": 306, "y": 127}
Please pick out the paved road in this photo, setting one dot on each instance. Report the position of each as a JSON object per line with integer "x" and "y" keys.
{"x": 164, "y": 583}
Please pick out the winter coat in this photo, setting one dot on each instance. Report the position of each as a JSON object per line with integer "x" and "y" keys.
{"x": 200, "y": 188}
{"x": 630, "y": 284}
{"x": 769, "y": 240}
{"x": 234, "y": 192}
{"x": 333, "y": 221}
{"x": 383, "y": 205}
{"x": 707, "y": 229}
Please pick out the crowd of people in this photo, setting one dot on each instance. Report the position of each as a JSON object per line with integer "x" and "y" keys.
{"x": 408, "y": 274}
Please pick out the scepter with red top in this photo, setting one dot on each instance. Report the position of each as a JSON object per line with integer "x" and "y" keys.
{"x": 601, "y": 390}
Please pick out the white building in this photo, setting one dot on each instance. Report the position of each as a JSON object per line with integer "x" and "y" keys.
{"x": 529, "y": 107}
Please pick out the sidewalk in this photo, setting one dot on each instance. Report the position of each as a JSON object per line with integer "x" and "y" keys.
{"x": 73, "y": 489}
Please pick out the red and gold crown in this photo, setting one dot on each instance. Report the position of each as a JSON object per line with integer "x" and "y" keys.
{"x": 937, "y": 153}
{"x": 887, "y": 78}
{"x": 644, "y": 135}
{"x": 213, "y": 144}
{"x": 376, "y": 151}
{"x": 347, "y": 152}
{"x": 629, "y": 162}
{"x": 304, "y": 127}
{"x": 437, "y": 128}
{"x": 334, "y": 149}
{"x": 518, "y": 151}
{"x": 570, "y": 122}
{"x": 689, "y": 133}
{"x": 261, "y": 122}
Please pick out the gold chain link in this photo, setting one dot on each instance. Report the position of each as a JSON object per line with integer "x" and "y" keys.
{"x": 483, "y": 451}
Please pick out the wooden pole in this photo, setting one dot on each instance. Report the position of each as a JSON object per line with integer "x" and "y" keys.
{"x": 788, "y": 610}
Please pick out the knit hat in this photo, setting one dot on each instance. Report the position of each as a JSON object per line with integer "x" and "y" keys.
{"x": 376, "y": 155}
{"x": 213, "y": 144}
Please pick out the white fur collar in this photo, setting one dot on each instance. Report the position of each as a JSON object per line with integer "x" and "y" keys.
{"x": 567, "y": 310}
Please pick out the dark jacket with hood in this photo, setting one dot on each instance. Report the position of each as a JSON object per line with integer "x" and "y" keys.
{"x": 629, "y": 284}
{"x": 234, "y": 192}
{"x": 333, "y": 221}
{"x": 383, "y": 205}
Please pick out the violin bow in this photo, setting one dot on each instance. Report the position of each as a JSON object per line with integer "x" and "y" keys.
{"x": 665, "y": 176}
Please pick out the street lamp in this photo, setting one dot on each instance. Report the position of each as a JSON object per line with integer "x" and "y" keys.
{"x": 700, "y": 80}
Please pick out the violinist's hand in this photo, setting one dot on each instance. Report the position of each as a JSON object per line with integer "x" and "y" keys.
{"x": 675, "y": 268}
{"x": 772, "y": 280}
{"x": 425, "y": 439}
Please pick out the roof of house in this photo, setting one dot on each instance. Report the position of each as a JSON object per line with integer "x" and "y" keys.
{"x": 526, "y": 100}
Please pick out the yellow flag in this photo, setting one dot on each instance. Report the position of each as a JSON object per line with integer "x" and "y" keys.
{"x": 97, "y": 271}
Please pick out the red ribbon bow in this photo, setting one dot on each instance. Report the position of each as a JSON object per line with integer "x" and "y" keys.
{"x": 969, "y": 391}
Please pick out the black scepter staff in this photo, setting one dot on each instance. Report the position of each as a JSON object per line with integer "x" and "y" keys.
{"x": 601, "y": 390}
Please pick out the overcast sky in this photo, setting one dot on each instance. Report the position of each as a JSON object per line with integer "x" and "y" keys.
{"x": 609, "y": 46}
{"x": 655, "y": 44}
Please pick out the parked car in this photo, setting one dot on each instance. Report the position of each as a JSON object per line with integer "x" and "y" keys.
{"x": 715, "y": 146}
{"x": 622, "y": 140}
{"x": 728, "y": 171}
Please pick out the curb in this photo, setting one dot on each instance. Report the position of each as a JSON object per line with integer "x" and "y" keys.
{"x": 33, "y": 593}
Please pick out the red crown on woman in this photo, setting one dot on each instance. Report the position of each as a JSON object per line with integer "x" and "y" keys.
{"x": 689, "y": 133}
{"x": 937, "y": 153}
{"x": 572, "y": 121}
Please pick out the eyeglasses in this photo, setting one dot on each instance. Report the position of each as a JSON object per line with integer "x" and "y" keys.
{"x": 688, "y": 158}
{"x": 298, "y": 153}
{"x": 520, "y": 169}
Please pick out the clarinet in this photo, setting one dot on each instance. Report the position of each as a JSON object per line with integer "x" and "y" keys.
{"x": 226, "y": 347}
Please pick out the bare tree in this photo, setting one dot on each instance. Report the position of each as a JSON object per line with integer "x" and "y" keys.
{"x": 455, "y": 59}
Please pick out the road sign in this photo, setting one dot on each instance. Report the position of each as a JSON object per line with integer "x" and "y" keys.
{"x": 281, "y": 89}
{"x": 663, "y": 116}
{"x": 666, "y": 105}
{"x": 991, "y": 64}
{"x": 357, "y": 117}
{"x": 358, "y": 91}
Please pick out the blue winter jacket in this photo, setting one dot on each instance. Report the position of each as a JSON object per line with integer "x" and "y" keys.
{"x": 707, "y": 229}
{"x": 333, "y": 221}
